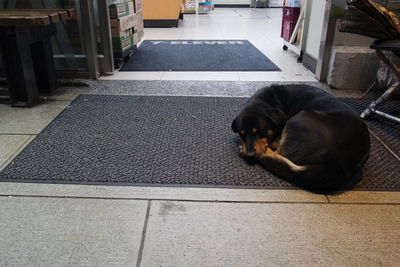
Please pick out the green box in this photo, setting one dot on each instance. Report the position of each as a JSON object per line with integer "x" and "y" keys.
{"x": 121, "y": 10}
{"x": 123, "y": 43}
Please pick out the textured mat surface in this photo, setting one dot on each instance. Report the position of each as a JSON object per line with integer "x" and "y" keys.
{"x": 388, "y": 131}
{"x": 198, "y": 55}
{"x": 157, "y": 140}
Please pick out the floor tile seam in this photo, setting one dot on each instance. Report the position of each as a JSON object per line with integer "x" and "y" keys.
{"x": 162, "y": 76}
{"x": 56, "y": 100}
{"x": 19, "y": 150}
{"x": 76, "y": 242}
{"x": 328, "y": 199}
{"x": 143, "y": 237}
{"x": 74, "y": 96}
{"x": 17, "y": 134}
{"x": 204, "y": 201}
{"x": 51, "y": 99}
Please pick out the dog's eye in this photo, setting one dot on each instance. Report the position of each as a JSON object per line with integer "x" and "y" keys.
{"x": 254, "y": 130}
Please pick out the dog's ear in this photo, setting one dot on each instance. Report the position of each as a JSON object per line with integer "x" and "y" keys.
{"x": 235, "y": 125}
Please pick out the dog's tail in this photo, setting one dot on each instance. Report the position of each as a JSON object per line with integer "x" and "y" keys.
{"x": 318, "y": 178}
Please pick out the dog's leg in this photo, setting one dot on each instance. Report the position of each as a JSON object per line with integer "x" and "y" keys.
{"x": 279, "y": 163}
{"x": 242, "y": 149}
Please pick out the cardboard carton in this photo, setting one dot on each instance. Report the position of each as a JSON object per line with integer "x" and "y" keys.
{"x": 140, "y": 34}
{"x": 138, "y": 5}
{"x": 116, "y": 33}
{"x": 123, "y": 43}
{"x": 121, "y": 10}
{"x": 123, "y": 24}
{"x": 139, "y": 27}
{"x": 136, "y": 38}
{"x": 110, "y": 2}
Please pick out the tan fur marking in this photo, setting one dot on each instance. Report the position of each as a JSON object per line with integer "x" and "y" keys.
{"x": 261, "y": 146}
{"x": 282, "y": 139}
{"x": 270, "y": 132}
{"x": 254, "y": 130}
{"x": 242, "y": 132}
{"x": 292, "y": 165}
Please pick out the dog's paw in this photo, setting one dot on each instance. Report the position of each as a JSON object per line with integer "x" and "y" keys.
{"x": 260, "y": 146}
{"x": 242, "y": 150}
{"x": 267, "y": 152}
{"x": 250, "y": 159}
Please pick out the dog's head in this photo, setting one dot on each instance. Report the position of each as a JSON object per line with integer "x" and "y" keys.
{"x": 255, "y": 131}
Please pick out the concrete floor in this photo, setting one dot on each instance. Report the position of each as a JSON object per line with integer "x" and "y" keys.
{"x": 81, "y": 225}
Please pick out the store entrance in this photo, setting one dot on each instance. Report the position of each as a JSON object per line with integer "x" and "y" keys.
{"x": 261, "y": 27}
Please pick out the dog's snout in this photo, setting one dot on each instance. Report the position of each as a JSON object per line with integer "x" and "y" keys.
{"x": 250, "y": 158}
{"x": 251, "y": 154}
{"x": 250, "y": 148}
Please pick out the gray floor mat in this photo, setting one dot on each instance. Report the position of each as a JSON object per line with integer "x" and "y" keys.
{"x": 198, "y": 55}
{"x": 157, "y": 140}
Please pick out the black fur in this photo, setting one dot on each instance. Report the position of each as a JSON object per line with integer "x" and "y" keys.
{"x": 324, "y": 142}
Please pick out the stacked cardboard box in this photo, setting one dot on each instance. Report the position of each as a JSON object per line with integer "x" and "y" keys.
{"x": 119, "y": 10}
{"x": 138, "y": 6}
{"x": 139, "y": 27}
{"x": 126, "y": 17}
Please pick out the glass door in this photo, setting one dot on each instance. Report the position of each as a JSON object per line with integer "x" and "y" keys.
{"x": 82, "y": 45}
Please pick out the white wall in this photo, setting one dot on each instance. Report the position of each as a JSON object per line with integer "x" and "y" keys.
{"x": 232, "y": 2}
{"x": 315, "y": 27}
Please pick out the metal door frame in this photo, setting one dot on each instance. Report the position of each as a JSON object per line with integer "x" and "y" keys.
{"x": 98, "y": 62}
{"x": 325, "y": 45}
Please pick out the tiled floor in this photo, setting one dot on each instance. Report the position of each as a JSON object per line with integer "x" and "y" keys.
{"x": 81, "y": 225}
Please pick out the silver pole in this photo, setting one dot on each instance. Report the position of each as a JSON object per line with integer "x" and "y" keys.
{"x": 107, "y": 62}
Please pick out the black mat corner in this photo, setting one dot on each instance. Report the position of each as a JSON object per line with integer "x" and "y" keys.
{"x": 198, "y": 55}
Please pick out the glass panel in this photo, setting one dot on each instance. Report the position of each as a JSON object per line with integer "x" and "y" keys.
{"x": 68, "y": 48}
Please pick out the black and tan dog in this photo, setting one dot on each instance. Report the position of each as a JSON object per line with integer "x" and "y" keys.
{"x": 305, "y": 136}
